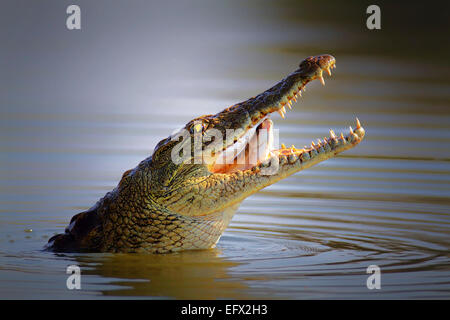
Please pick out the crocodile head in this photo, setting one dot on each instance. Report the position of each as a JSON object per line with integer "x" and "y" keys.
{"x": 184, "y": 195}
{"x": 216, "y": 161}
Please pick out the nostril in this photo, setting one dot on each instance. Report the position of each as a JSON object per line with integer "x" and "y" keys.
{"x": 325, "y": 60}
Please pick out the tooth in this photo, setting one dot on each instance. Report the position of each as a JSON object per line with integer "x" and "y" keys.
{"x": 312, "y": 144}
{"x": 283, "y": 109}
{"x": 351, "y": 130}
{"x": 343, "y": 139}
{"x": 325, "y": 140}
{"x": 320, "y": 142}
{"x": 328, "y": 71}
{"x": 342, "y": 136}
{"x": 281, "y": 113}
{"x": 300, "y": 93}
{"x": 358, "y": 124}
{"x": 283, "y": 146}
{"x": 295, "y": 100}
{"x": 332, "y": 134}
{"x": 321, "y": 80}
{"x": 292, "y": 158}
{"x": 289, "y": 105}
{"x": 293, "y": 147}
{"x": 265, "y": 163}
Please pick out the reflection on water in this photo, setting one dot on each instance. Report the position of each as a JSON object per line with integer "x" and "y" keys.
{"x": 203, "y": 275}
{"x": 312, "y": 235}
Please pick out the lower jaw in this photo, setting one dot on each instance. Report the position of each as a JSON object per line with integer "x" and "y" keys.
{"x": 292, "y": 159}
{"x": 320, "y": 150}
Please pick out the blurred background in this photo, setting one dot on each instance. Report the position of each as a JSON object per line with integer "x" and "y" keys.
{"x": 79, "y": 107}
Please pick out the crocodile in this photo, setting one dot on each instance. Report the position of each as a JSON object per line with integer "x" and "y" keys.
{"x": 180, "y": 199}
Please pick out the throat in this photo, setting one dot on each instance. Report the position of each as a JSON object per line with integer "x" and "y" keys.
{"x": 206, "y": 230}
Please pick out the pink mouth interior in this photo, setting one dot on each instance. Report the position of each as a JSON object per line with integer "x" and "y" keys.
{"x": 256, "y": 150}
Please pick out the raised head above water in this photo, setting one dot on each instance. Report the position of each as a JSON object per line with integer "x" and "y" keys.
{"x": 185, "y": 194}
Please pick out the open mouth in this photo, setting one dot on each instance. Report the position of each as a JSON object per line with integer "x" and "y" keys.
{"x": 252, "y": 148}
{"x": 255, "y": 147}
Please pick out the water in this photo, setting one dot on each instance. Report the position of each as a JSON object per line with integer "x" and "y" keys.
{"x": 66, "y": 141}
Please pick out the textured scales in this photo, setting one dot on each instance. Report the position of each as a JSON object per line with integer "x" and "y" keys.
{"x": 161, "y": 206}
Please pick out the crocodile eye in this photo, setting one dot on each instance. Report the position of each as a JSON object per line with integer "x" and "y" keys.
{"x": 197, "y": 127}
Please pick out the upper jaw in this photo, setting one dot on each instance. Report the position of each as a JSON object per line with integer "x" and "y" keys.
{"x": 291, "y": 87}
{"x": 250, "y": 114}
{"x": 247, "y": 114}
{"x": 285, "y": 92}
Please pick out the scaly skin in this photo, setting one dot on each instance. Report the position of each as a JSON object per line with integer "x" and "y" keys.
{"x": 163, "y": 206}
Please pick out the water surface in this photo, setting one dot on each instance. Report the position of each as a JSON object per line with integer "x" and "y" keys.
{"x": 78, "y": 109}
